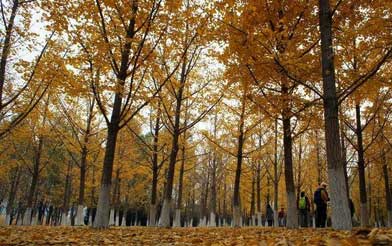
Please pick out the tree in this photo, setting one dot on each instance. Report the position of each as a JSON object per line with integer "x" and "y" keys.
{"x": 341, "y": 218}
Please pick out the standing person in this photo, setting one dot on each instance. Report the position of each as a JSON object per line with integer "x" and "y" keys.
{"x": 321, "y": 199}
{"x": 304, "y": 208}
{"x": 282, "y": 217}
{"x": 269, "y": 215}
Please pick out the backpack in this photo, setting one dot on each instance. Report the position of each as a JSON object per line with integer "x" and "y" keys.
{"x": 302, "y": 203}
{"x": 317, "y": 197}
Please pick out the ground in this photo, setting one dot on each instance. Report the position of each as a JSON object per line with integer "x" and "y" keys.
{"x": 41, "y": 235}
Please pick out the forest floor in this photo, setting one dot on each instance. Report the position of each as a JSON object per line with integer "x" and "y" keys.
{"x": 41, "y": 235}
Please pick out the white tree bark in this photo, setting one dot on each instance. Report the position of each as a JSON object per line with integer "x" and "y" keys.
{"x": 103, "y": 208}
{"x": 314, "y": 222}
{"x": 259, "y": 222}
{"x": 7, "y": 219}
{"x": 177, "y": 218}
{"x": 203, "y": 222}
{"x": 341, "y": 216}
{"x": 276, "y": 219}
{"x": 164, "y": 219}
{"x": 292, "y": 213}
{"x": 35, "y": 220}
{"x": 112, "y": 218}
{"x": 123, "y": 222}
{"x": 27, "y": 217}
{"x": 79, "y": 220}
{"x": 152, "y": 216}
{"x": 212, "y": 222}
{"x": 237, "y": 219}
{"x": 64, "y": 219}
{"x": 253, "y": 220}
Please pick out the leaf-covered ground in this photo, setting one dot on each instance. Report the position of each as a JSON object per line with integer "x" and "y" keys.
{"x": 40, "y": 235}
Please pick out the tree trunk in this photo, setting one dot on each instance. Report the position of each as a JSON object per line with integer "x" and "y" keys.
{"x": 67, "y": 194}
{"x": 318, "y": 159}
{"x": 213, "y": 192}
{"x": 341, "y": 217}
{"x": 237, "y": 182}
{"x": 12, "y": 194}
{"x": 34, "y": 181}
{"x": 155, "y": 170}
{"x": 292, "y": 216}
{"x": 83, "y": 166}
{"x": 258, "y": 188}
{"x": 388, "y": 198}
{"x": 103, "y": 208}
{"x": 361, "y": 170}
{"x": 6, "y": 49}
{"x": 165, "y": 212}
{"x": 344, "y": 159}
{"x": 252, "y": 197}
{"x": 276, "y": 178}
{"x": 82, "y": 182}
{"x": 177, "y": 220}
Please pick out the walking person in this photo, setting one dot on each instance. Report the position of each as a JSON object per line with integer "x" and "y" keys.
{"x": 269, "y": 215}
{"x": 321, "y": 199}
{"x": 282, "y": 217}
{"x": 304, "y": 208}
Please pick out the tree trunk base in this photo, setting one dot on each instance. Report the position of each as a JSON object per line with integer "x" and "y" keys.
{"x": 152, "y": 215}
{"x": 177, "y": 218}
{"x": 292, "y": 212}
{"x": 164, "y": 219}
{"x": 389, "y": 221}
{"x": 341, "y": 215}
{"x": 203, "y": 222}
{"x": 112, "y": 218}
{"x": 79, "y": 216}
{"x": 237, "y": 218}
{"x": 212, "y": 222}
{"x": 364, "y": 215}
{"x": 7, "y": 219}
{"x": 35, "y": 220}
{"x": 253, "y": 221}
{"x": 276, "y": 220}
{"x": 27, "y": 217}
{"x": 64, "y": 220}
{"x": 259, "y": 222}
{"x": 123, "y": 221}
{"x": 102, "y": 217}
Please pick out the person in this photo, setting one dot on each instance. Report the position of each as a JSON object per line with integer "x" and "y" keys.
{"x": 269, "y": 215}
{"x": 282, "y": 217}
{"x": 304, "y": 208}
{"x": 321, "y": 199}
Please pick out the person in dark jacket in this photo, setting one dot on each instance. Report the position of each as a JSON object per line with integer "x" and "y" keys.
{"x": 321, "y": 199}
{"x": 269, "y": 215}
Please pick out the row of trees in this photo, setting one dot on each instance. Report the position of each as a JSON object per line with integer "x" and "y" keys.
{"x": 105, "y": 113}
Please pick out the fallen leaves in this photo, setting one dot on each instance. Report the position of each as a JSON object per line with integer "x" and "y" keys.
{"x": 40, "y": 235}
